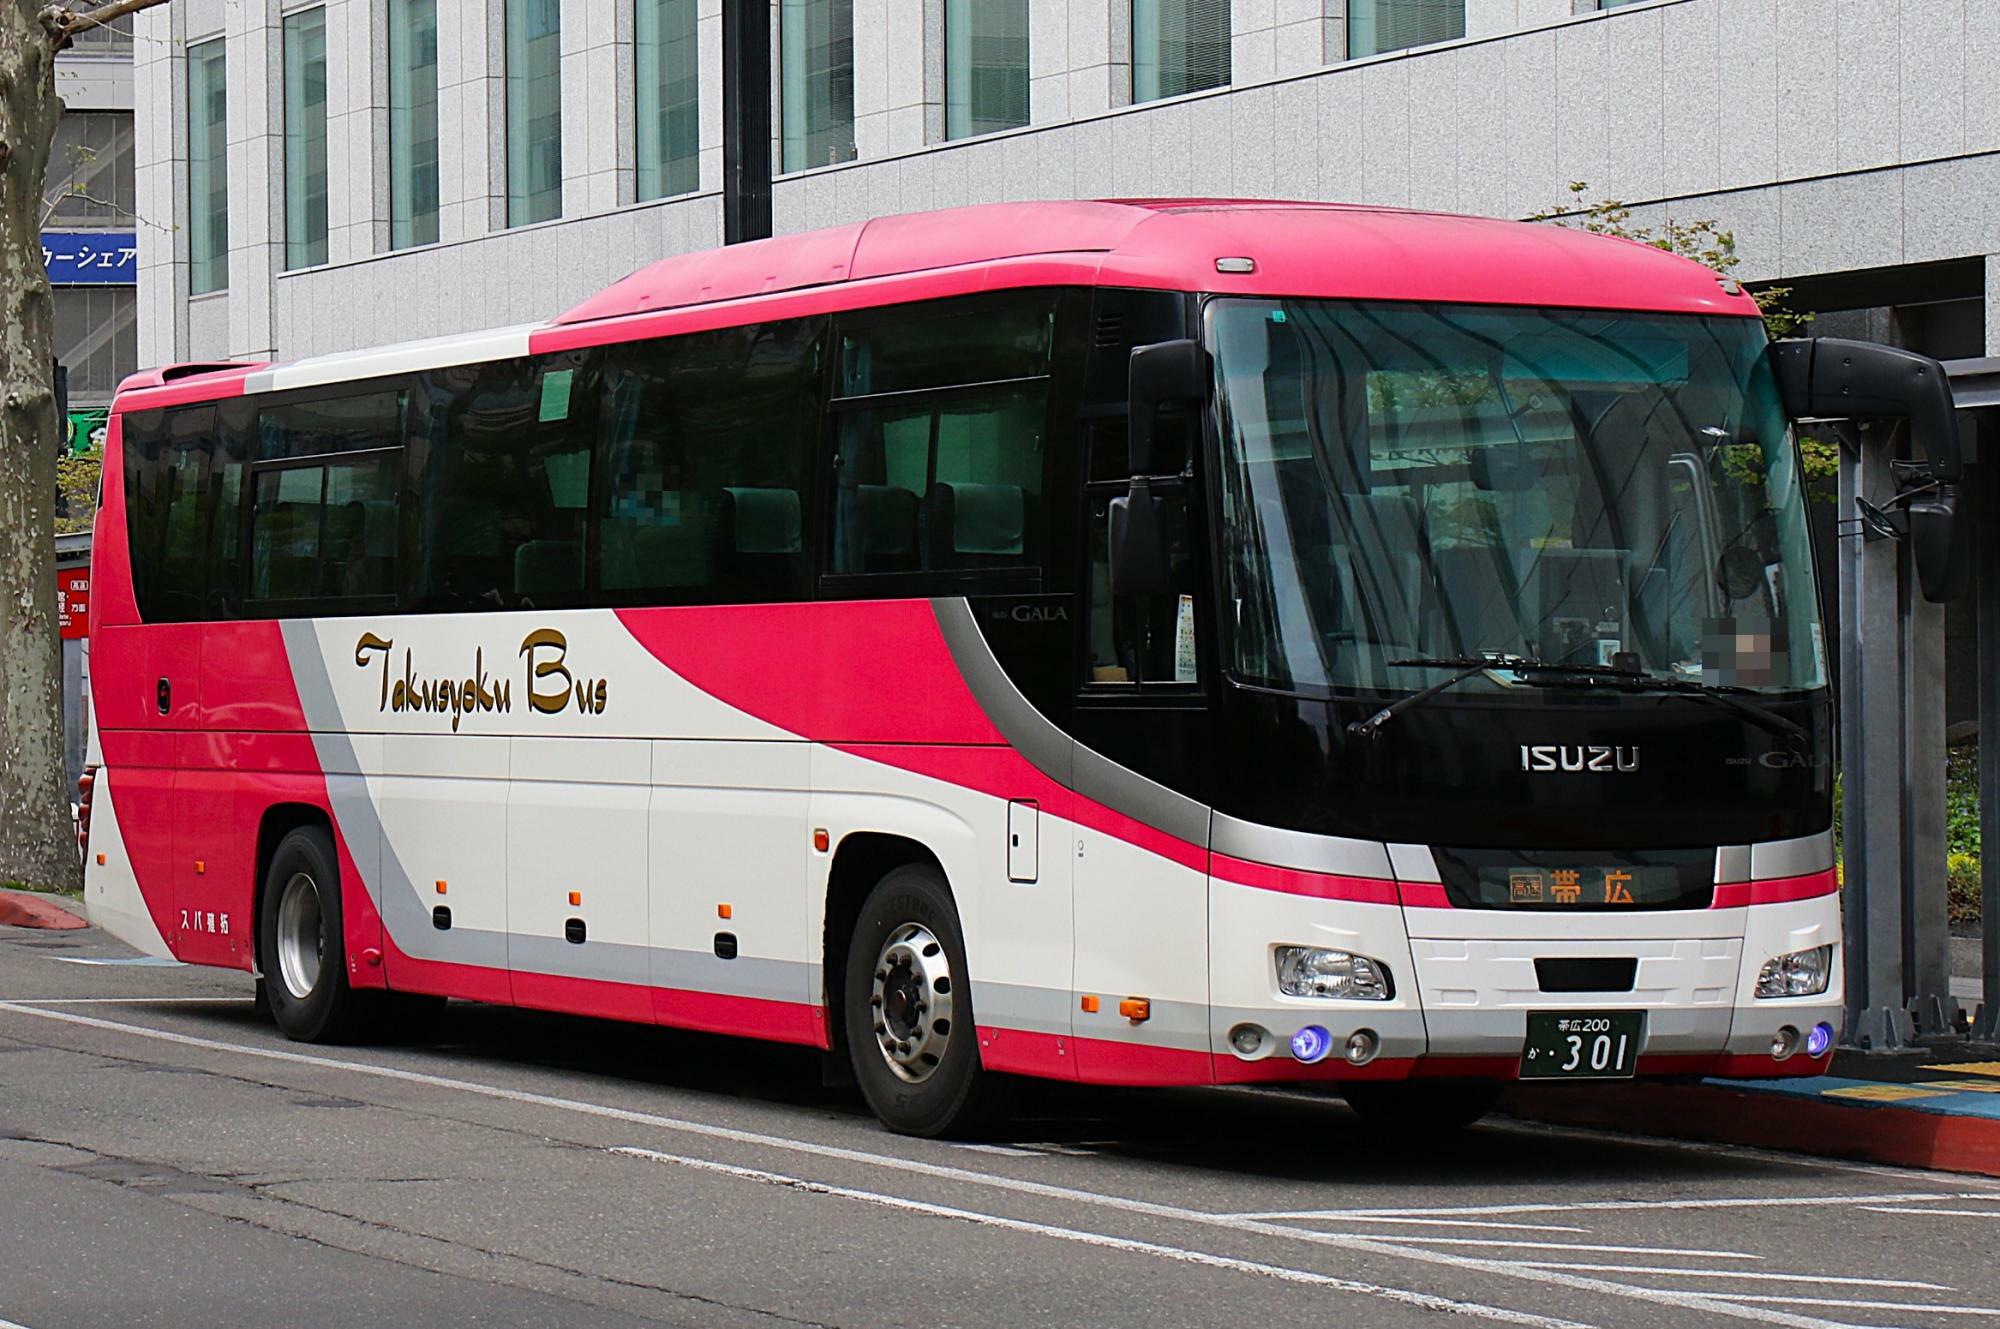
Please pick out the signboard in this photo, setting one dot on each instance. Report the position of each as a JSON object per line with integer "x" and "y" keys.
{"x": 73, "y": 603}
{"x": 91, "y": 258}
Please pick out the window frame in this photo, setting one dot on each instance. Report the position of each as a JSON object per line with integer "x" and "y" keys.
{"x": 255, "y": 464}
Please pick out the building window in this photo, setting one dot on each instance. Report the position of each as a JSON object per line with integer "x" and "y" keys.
{"x": 1178, "y": 46}
{"x": 985, "y": 66}
{"x": 208, "y": 170}
{"x": 1377, "y": 26}
{"x": 817, "y": 38}
{"x": 669, "y": 70}
{"x": 534, "y": 111}
{"x": 91, "y": 169}
{"x": 96, "y": 338}
{"x": 305, "y": 138}
{"x": 413, "y": 123}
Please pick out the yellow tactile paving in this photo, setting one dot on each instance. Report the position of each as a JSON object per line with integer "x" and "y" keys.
{"x": 1969, "y": 1068}
{"x": 1964, "y": 1086}
{"x": 1882, "y": 1093}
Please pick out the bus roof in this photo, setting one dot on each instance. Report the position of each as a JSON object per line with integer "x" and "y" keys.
{"x": 1326, "y": 250}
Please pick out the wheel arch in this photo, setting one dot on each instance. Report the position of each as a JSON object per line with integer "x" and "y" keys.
{"x": 861, "y": 859}
{"x": 278, "y": 821}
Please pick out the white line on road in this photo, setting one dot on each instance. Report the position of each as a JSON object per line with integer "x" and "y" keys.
{"x": 1464, "y": 1222}
{"x": 1178, "y": 1253}
{"x": 1940, "y": 1213}
{"x": 1916, "y": 1306}
{"x": 1616, "y": 1206}
{"x": 1574, "y": 1246}
{"x": 226, "y": 1000}
{"x": 1370, "y": 1243}
{"x": 1744, "y": 1274}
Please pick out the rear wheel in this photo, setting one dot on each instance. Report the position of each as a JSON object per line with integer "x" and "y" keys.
{"x": 908, "y": 1008}
{"x": 1414, "y": 1107}
{"x": 301, "y": 947}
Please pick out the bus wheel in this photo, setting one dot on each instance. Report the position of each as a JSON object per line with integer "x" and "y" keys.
{"x": 910, "y": 1033}
{"x": 300, "y": 944}
{"x": 1415, "y": 1107}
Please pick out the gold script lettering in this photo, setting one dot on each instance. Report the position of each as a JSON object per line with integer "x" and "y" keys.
{"x": 370, "y": 644}
{"x": 532, "y": 646}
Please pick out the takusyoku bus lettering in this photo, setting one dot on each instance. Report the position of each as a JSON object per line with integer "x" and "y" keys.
{"x": 544, "y": 651}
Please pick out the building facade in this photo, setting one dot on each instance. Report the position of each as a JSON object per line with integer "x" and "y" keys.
{"x": 90, "y": 223}
{"x": 317, "y": 176}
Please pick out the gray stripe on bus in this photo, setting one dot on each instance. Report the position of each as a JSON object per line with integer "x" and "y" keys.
{"x": 1052, "y": 752}
{"x": 1301, "y": 850}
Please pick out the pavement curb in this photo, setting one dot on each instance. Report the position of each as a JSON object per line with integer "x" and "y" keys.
{"x": 19, "y": 909}
{"x": 1867, "y": 1132}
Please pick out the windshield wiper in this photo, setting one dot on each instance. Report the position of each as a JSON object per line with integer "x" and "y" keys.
{"x": 1629, "y": 680}
{"x": 1466, "y": 665}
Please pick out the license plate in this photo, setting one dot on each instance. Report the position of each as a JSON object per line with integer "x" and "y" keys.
{"x": 1582, "y": 1045}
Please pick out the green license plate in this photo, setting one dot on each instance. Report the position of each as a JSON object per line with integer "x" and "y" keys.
{"x": 1582, "y": 1045}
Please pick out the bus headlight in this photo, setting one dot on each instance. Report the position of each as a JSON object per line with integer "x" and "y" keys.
{"x": 1310, "y": 971}
{"x": 1799, "y": 974}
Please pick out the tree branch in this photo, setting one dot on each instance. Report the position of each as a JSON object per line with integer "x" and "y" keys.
{"x": 67, "y": 22}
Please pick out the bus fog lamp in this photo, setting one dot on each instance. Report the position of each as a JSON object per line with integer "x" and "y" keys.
{"x": 1798, "y": 974}
{"x": 1250, "y": 1040}
{"x": 1311, "y": 1044}
{"x": 1819, "y": 1040}
{"x": 1362, "y": 1045}
{"x": 1311, "y": 971}
{"x": 1784, "y": 1043}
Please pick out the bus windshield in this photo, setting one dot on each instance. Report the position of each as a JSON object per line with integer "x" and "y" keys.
{"x": 1403, "y": 482}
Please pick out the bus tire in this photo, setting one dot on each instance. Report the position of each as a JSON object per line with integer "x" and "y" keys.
{"x": 1419, "y": 1107}
{"x": 301, "y": 947}
{"x": 910, "y": 1032}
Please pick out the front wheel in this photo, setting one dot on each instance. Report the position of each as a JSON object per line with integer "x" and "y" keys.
{"x": 301, "y": 947}
{"x": 908, "y": 1008}
{"x": 1415, "y": 1107}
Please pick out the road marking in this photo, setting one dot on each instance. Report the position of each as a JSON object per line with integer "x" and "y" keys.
{"x": 1940, "y": 1213}
{"x": 1916, "y": 1306}
{"x": 9, "y": 1324}
{"x": 1371, "y": 1243}
{"x": 1620, "y": 1206}
{"x": 129, "y": 962}
{"x": 1746, "y": 1274}
{"x": 1178, "y": 1253}
{"x": 134, "y": 1001}
{"x": 1462, "y": 1222}
{"x": 1574, "y": 1246}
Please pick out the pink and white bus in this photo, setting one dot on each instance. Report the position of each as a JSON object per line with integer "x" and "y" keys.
{"x": 1149, "y": 643}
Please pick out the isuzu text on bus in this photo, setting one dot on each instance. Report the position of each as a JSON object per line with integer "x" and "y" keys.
{"x": 1139, "y": 643}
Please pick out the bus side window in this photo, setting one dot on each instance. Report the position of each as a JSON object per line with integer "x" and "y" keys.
{"x": 166, "y": 471}
{"x": 705, "y": 445}
{"x": 1141, "y": 640}
{"x": 323, "y": 500}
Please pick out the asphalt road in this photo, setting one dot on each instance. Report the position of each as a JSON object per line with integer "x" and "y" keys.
{"x": 166, "y": 1158}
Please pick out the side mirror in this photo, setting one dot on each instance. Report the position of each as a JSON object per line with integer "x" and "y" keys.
{"x": 1941, "y": 543}
{"x": 1139, "y": 558}
{"x": 1167, "y": 373}
{"x": 1833, "y": 378}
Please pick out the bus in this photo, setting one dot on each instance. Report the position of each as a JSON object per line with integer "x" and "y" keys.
{"x": 1135, "y": 643}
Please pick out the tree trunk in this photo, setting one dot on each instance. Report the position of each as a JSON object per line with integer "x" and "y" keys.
{"x": 37, "y": 845}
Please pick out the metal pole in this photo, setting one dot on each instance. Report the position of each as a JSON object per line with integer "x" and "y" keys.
{"x": 746, "y": 120}
{"x": 1986, "y": 583}
{"x": 1871, "y": 749}
{"x": 1926, "y": 931}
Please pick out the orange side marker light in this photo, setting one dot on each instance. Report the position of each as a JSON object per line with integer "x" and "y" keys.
{"x": 724, "y": 911}
{"x": 101, "y": 860}
{"x": 821, "y": 839}
{"x": 576, "y": 897}
{"x": 440, "y": 888}
{"x": 1136, "y": 1009}
{"x": 1089, "y": 1005}
{"x": 200, "y": 866}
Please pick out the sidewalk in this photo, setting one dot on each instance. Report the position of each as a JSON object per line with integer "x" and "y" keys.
{"x": 33, "y": 909}
{"x": 1931, "y": 1110}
